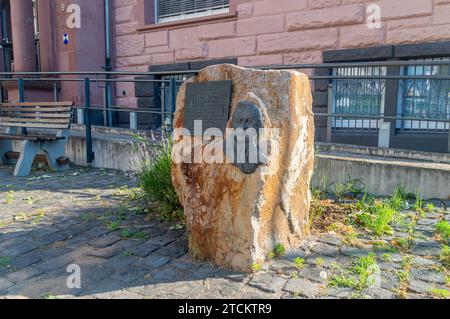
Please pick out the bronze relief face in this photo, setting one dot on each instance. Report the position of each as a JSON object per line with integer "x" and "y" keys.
{"x": 247, "y": 120}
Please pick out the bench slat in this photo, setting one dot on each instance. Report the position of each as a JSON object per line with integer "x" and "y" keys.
{"x": 34, "y": 120}
{"x": 38, "y": 115}
{"x": 36, "y": 125}
{"x": 33, "y": 104}
{"x": 37, "y": 109}
{"x": 29, "y": 137}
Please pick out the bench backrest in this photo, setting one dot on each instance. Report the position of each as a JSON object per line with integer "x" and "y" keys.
{"x": 39, "y": 115}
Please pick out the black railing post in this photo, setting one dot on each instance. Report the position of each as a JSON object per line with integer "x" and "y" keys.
{"x": 87, "y": 120}
{"x": 173, "y": 101}
{"x": 21, "y": 89}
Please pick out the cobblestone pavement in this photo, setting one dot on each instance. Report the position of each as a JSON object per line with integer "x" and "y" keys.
{"x": 52, "y": 220}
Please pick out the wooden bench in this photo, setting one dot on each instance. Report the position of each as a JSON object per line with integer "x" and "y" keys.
{"x": 52, "y": 122}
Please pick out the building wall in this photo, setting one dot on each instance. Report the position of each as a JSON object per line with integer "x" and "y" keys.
{"x": 265, "y": 32}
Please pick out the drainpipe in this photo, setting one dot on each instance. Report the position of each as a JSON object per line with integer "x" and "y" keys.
{"x": 108, "y": 66}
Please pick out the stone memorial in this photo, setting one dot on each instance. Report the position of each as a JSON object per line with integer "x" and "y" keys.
{"x": 253, "y": 195}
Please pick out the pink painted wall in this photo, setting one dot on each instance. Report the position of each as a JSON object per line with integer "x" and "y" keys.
{"x": 277, "y": 31}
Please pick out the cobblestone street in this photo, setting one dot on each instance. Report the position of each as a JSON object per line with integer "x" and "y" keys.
{"x": 82, "y": 216}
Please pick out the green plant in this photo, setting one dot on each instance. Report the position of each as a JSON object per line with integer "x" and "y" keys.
{"x": 445, "y": 255}
{"x": 443, "y": 228}
{"x": 343, "y": 281}
{"x": 256, "y": 267}
{"x": 360, "y": 275}
{"x": 397, "y": 200}
{"x": 430, "y": 207}
{"x": 365, "y": 267}
{"x": 155, "y": 178}
{"x": 386, "y": 257}
{"x": 5, "y": 261}
{"x": 279, "y": 250}
{"x": 378, "y": 218}
{"x": 114, "y": 225}
{"x": 299, "y": 263}
{"x": 418, "y": 204}
{"x": 320, "y": 262}
{"x": 271, "y": 255}
{"x": 440, "y": 293}
{"x": 339, "y": 189}
{"x": 355, "y": 187}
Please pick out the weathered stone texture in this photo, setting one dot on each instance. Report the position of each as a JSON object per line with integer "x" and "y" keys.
{"x": 235, "y": 219}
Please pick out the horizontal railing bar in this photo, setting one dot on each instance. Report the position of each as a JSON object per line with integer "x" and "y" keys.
{"x": 324, "y": 77}
{"x": 82, "y": 80}
{"x": 276, "y": 67}
{"x": 351, "y": 116}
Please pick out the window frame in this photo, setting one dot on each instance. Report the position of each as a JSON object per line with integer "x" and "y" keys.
{"x": 147, "y": 20}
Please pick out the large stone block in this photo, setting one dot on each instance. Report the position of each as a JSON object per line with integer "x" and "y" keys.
{"x": 235, "y": 218}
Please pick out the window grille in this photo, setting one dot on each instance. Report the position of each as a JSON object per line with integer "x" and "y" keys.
{"x": 174, "y": 10}
{"x": 424, "y": 98}
{"x": 358, "y": 97}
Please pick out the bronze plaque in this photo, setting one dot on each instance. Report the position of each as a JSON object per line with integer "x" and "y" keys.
{"x": 208, "y": 102}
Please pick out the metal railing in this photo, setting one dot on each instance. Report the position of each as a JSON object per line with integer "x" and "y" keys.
{"x": 165, "y": 87}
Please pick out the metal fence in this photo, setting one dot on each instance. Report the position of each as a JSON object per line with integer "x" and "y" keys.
{"x": 356, "y": 95}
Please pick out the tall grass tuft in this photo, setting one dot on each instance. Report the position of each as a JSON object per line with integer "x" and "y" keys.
{"x": 155, "y": 176}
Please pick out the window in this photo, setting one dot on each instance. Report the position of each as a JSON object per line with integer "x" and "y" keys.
{"x": 424, "y": 98}
{"x": 358, "y": 97}
{"x": 175, "y": 10}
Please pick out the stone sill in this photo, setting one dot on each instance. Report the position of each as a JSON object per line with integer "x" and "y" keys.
{"x": 188, "y": 22}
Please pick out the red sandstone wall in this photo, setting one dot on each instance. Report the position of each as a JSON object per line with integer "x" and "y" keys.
{"x": 277, "y": 31}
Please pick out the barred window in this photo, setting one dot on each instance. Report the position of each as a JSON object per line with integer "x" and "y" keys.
{"x": 174, "y": 10}
{"x": 358, "y": 98}
{"x": 424, "y": 98}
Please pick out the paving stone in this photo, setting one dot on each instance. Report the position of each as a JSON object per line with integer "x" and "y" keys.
{"x": 426, "y": 248}
{"x": 161, "y": 241}
{"x": 327, "y": 262}
{"x": 5, "y": 284}
{"x": 378, "y": 293}
{"x": 267, "y": 282}
{"x": 419, "y": 286}
{"x": 24, "y": 274}
{"x": 302, "y": 287}
{"x": 325, "y": 250}
{"x": 427, "y": 222}
{"x": 423, "y": 262}
{"x": 389, "y": 266}
{"x": 18, "y": 248}
{"x": 168, "y": 274}
{"x": 26, "y": 260}
{"x": 339, "y": 293}
{"x": 60, "y": 262}
{"x": 129, "y": 275}
{"x": 296, "y": 253}
{"x": 175, "y": 249}
{"x": 315, "y": 274}
{"x": 105, "y": 241}
{"x": 354, "y": 251}
{"x": 119, "y": 261}
{"x": 282, "y": 266}
{"x": 428, "y": 276}
{"x": 331, "y": 240}
{"x": 388, "y": 281}
{"x": 205, "y": 271}
{"x": 105, "y": 253}
{"x": 143, "y": 250}
{"x": 232, "y": 275}
{"x": 156, "y": 261}
{"x": 97, "y": 231}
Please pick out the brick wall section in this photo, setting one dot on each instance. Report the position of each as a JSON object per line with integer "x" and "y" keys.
{"x": 277, "y": 31}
